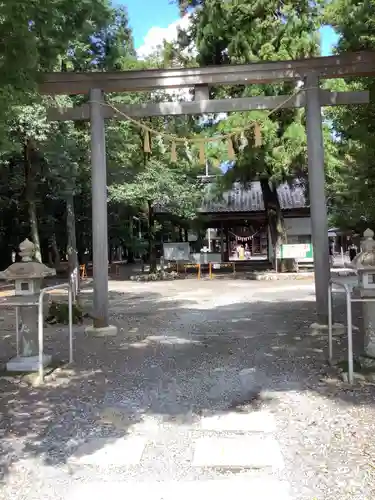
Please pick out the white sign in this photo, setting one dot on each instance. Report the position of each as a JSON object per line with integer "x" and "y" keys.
{"x": 300, "y": 251}
{"x": 179, "y": 251}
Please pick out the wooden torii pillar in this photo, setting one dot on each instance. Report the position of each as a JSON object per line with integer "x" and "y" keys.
{"x": 99, "y": 211}
{"x": 308, "y": 70}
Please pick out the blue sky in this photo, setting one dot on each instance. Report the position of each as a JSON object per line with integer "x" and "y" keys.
{"x": 146, "y": 14}
{"x": 328, "y": 40}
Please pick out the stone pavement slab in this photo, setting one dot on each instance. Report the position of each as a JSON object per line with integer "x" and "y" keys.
{"x": 264, "y": 488}
{"x": 254, "y": 451}
{"x": 105, "y": 452}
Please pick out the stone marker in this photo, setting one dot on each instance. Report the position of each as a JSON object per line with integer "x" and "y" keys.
{"x": 364, "y": 262}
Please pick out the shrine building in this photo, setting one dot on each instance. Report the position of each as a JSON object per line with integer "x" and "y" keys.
{"x": 239, "y": 218}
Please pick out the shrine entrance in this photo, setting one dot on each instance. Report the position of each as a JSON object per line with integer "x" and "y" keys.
{"x": 248, "y": 242}
{"x": 309, "y": 71}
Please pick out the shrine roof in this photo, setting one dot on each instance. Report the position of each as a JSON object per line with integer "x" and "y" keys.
{"x": 250, "y": 198}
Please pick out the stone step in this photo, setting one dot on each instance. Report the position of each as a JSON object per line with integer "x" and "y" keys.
{"x": 253, "y": 452}
{"x": 263, "y": 488}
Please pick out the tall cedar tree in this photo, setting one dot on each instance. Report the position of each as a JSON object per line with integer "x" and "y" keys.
{"x": 42, "y": 162}
{"x": 353, "y": 186}
{"x": 242, "y": 31}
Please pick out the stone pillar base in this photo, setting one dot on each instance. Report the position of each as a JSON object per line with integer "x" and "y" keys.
{"x": 104, "y": 331}
{"x": 319, "y": 329}
{"x": 27, "y": 363}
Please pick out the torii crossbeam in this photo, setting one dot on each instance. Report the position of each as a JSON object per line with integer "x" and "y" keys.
{"x": 310, "y": 71}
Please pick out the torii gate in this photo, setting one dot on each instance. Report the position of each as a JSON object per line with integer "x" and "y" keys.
{"x": 310, "y": 71}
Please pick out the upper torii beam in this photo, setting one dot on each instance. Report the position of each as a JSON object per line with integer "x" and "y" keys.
{"x": 340, "y": 66}
{"x": 313, "y": 98}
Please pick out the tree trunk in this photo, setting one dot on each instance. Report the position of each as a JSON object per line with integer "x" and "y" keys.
{"x": 275, "y": 220}
{"x": 71, "y": 233}
{"x": 30, "y": 189}
{"x": 55, "y": 252}
{"x": 180, "y": 234}
{"x": 131, "y": 259}
{"x": 274, "y": 214}
{"x": 50, "y": 257}
{"x": 151, "y": 238}
{"x": 186, "y": 235}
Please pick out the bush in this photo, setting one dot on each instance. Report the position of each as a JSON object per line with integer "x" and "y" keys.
{"x": 59, "y": 313}
{"x": 158, "y": 276}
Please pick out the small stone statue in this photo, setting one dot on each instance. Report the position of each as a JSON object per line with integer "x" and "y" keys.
{"x": 366, "y": 258}
{"x": 27, "y": 250}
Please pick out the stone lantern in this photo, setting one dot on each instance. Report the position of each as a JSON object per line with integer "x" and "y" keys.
{"x": 27, "y": 276}
{"x": 364, "y": 262}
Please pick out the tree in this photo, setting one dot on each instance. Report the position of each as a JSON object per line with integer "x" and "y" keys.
{"x": 48, "y": 162}
{"x": 238, "y": 31}
{"x": 45, "y": 165}
{"x": 28, "y": 128}
{"x": 35, "y": 35}
{"x": 171, "y": 187}
{"x": 65, "y": 153}
{"x": 354, "y": 126}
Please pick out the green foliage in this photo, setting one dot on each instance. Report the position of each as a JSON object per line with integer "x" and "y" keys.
{"x": 36, "y": 35}
{"x": 162, "y": 184}
{"x": 44, "y": 164}
{"x": 353, "y": 184}
{"x": 235, "y": 32}
{"x": 41, "y": 162}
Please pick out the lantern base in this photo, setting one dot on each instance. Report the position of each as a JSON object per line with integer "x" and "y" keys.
{"x": 27, "y": 363}
{"x": 104, "y": 331}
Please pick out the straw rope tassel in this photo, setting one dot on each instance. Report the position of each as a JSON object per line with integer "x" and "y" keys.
{"x": 231, "y": 153}
{"x": 202, "y": 155}
{"x": 173, "y": 153}
{"x": 149, "y": 131}
{"x": 257, "y": 135}
{"x": 146, "y": 142}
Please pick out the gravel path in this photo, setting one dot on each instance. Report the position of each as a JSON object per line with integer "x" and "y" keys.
{"x": 210, "y": 389}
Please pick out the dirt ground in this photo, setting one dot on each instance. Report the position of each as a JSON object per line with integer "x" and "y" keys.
{"x": 140, "y": 410}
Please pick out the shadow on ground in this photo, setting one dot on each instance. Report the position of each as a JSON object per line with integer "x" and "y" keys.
{"x": 172, "y": 359}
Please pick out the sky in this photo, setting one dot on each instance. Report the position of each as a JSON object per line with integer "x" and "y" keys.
{"x": 154, "y": 20}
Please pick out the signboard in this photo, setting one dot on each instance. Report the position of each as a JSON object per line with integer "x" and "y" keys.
{"x": 179, "y": 251}
{"x": 302, "y": 252}
{"x": 205, "y": 258}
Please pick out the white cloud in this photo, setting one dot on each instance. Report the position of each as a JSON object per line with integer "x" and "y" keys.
{"x": 153, "y": 43}
{"x": 153, "y": 40}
